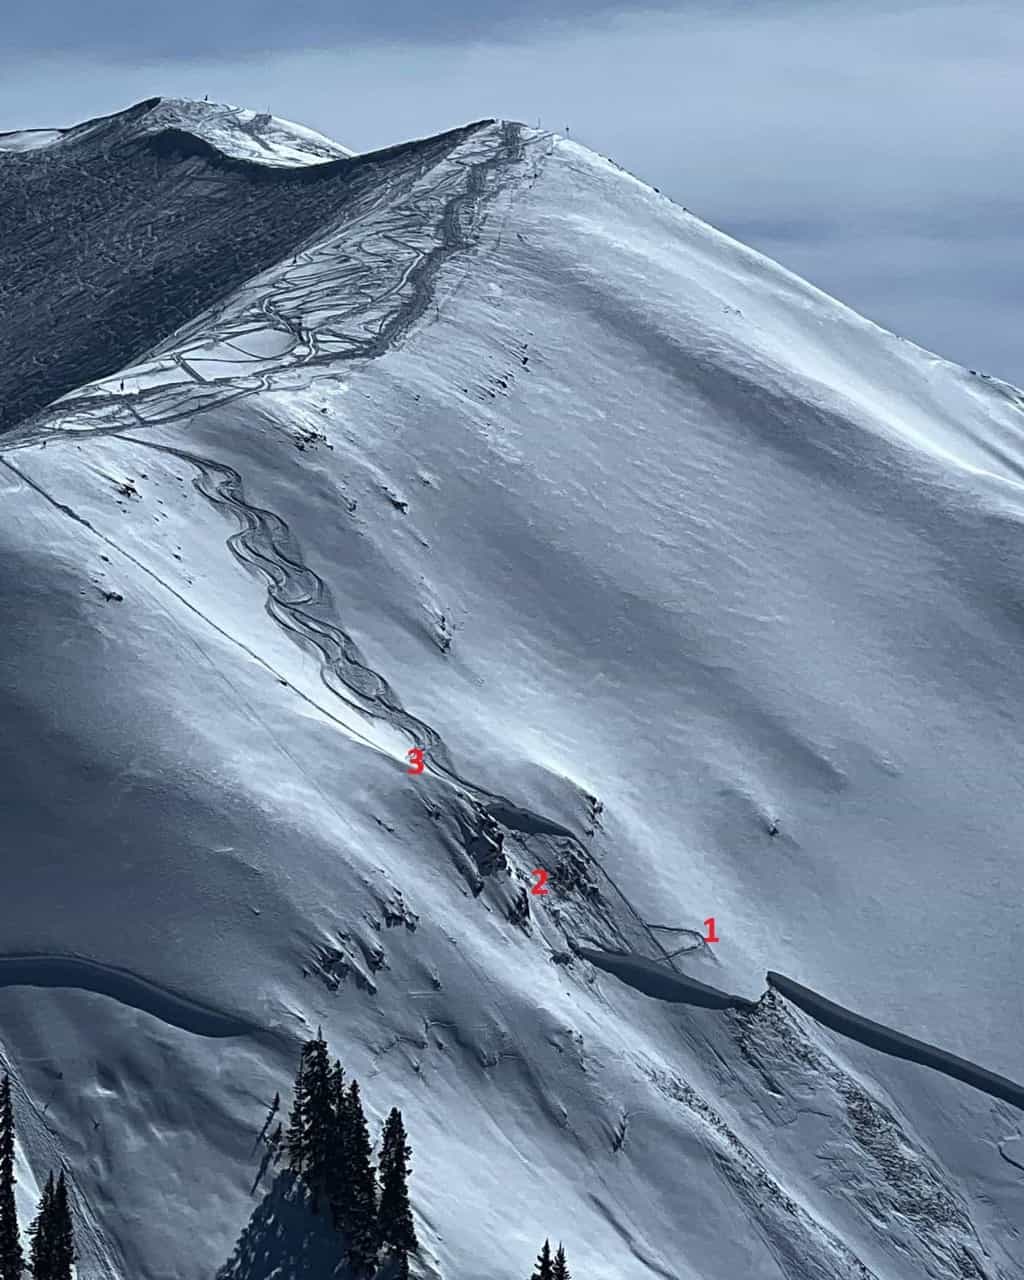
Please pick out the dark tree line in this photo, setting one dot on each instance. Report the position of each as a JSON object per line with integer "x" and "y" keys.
{"x": 329, "y": 1148}
{"x": 52, "y": 1240}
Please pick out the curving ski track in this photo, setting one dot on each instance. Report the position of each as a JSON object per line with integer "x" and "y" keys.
{"x": 366, "y": 282}
{"x": 367, "y": 316}
{"x": 265, "y": 545}
{"x": 130, "y": 229}
{"x": 297, "y": 598}
{"x": 372, "y": 320}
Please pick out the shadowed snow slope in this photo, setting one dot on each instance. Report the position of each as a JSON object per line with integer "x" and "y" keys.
{"x": 702, "y": 590}
{"x": 135, "y": 222}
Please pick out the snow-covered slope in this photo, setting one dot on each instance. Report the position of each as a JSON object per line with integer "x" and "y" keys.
{"x": 28, "y": 139}
{"x": 237, "y": 131}
{"x": 656, "y": 551}
{"x": 247, "y": 135}
{"x": 135, "y": 223}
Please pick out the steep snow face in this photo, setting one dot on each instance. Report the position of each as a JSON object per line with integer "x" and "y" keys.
{"x": 701, "y": 586}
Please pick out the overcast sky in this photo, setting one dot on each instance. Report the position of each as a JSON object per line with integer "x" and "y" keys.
{"x": 873, "y": 147}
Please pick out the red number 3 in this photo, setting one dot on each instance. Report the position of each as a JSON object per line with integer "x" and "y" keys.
{"x": 415, "y": 755}
{"x": 542, "y": 879}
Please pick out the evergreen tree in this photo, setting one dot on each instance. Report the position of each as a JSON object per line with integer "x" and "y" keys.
{"x": 560, "y": 1270}
{"x": 295, "y": 1139}
{"x": 12, "y": 1260}
{"x": 396, "y": 1230}
{"x": 62, "y": 1233}
{"x": 338, "y": 1168}
{"x": 319, "y": 1121}
{"x": 544, "y": 1270}
{"x": 359, "y": 1209}
{"x": 41, "y": 1251}
{"x": 311, "y": 1125}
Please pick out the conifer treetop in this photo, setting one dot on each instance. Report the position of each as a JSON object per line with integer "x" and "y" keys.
{"x": 544, "y": 1269}
{"x": 12, "y": 1258}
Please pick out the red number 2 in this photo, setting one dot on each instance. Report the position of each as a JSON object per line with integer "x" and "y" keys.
{"x": 415, "y": 755}
{"x": 542, "y": 879}
{"x": 709, "y": 924}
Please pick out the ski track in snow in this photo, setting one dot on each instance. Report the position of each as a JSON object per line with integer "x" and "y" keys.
{"x": 215, "y": 222}
{"x": 367, "y": 308}
{"x": 371, "y": 322}
{"x": 266, "y": 546}
{"x": 99, "y": 1255}
{"x": 297, "y": 598}
{"x": 265, "y": 543}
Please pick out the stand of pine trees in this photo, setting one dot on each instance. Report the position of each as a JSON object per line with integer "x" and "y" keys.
{"x": 52, "y": 1250}
{"x": 329, "y": 1148}
{"x": 551, "y": 1268}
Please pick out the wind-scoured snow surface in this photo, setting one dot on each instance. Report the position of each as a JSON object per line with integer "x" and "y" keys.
{"x": 655, "y": 550}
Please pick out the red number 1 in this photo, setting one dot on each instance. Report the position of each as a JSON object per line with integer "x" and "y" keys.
{"x": 415, "y": 755}
{"x": 542, "y": 879}
{"x": 709, "y": 924}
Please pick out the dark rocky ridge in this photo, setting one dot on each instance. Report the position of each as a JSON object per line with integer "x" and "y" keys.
{"x": 114, "y": 237}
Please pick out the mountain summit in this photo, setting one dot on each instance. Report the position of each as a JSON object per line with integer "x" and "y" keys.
{"x": 698, "y": 594}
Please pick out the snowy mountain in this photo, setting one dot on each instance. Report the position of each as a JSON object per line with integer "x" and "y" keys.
{"x": 698, "y": 592}
{"x": 235, "y": 131}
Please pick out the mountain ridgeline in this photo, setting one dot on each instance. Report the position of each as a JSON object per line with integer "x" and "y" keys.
{"x": 433, "y": 583}
{"x": 116, "y": 235}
